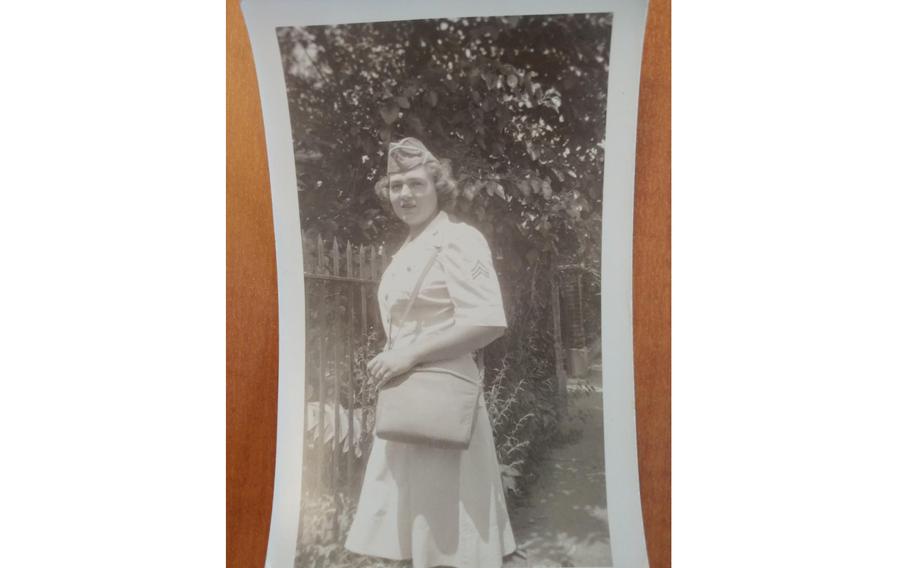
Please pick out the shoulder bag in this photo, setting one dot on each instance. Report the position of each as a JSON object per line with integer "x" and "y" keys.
{"x": 429, "y": 405}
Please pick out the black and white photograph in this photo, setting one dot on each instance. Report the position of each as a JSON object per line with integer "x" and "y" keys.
{"x": 444, "y": 386}
{"x": 449, "y": 175}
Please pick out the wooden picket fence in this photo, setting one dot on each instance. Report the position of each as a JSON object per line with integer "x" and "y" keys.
{"x": 343, "y": 330}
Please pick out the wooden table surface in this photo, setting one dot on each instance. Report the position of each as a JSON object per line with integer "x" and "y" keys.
{"x": 252, "y": 301}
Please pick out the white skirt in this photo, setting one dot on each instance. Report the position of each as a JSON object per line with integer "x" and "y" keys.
{"x": 434, "y": 506}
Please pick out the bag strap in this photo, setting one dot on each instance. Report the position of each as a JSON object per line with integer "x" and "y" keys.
{"x": 413, "y": 298}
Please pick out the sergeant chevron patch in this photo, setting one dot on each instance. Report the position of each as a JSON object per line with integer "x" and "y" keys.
{"x": 479, "y": 270}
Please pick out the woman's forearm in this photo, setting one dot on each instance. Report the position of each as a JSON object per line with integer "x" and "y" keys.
{"x": 451, "y": 343}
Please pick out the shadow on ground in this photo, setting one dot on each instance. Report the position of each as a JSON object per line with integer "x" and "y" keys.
{"x": 563, "y": 519}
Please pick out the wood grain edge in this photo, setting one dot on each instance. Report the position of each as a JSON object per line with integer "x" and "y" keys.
{"x": 252, "y": 310}
{"x": 651, "y": 286}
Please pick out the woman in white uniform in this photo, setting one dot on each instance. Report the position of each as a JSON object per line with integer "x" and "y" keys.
{"x": 435, "y": 506}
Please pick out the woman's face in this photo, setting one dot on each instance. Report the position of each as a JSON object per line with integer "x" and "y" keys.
{"x": 413, "y": 196}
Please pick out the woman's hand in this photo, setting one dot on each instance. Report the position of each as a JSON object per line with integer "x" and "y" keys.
{"x": 454, "y": 342}
{"x": 389, "y": 364}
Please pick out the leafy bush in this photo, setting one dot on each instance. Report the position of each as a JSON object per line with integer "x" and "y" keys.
{"x": 521, "y": 381}
{"x": 524, "y": 128}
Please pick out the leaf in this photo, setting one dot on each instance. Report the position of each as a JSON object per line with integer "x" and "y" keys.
{"x": 495, "y": 188}
{"x": 546, "y": 189}
{"x": 403, "y": 102}
{"x": 490, "y": 79}
{"x": 389, "y": 113}
{"x": 509, "y": 470}
{"x": 433, "y": 98}
{"x": 524, "y": 187}
{"x": 469, "y": 190}
{"x": 553, "y": 101}
{"x": 512, "y": 81}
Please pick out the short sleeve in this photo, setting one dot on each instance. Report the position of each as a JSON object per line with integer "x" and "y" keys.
{"x": 471, "y": 279}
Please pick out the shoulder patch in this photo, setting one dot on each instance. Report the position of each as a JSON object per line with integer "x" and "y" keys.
{"x": 479, "y": 271}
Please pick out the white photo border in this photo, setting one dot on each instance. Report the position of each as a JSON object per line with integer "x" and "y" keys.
{"x": 620, "y": 447}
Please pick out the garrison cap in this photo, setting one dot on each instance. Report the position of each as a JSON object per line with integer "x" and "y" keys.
{"x": 407, "y": 154}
